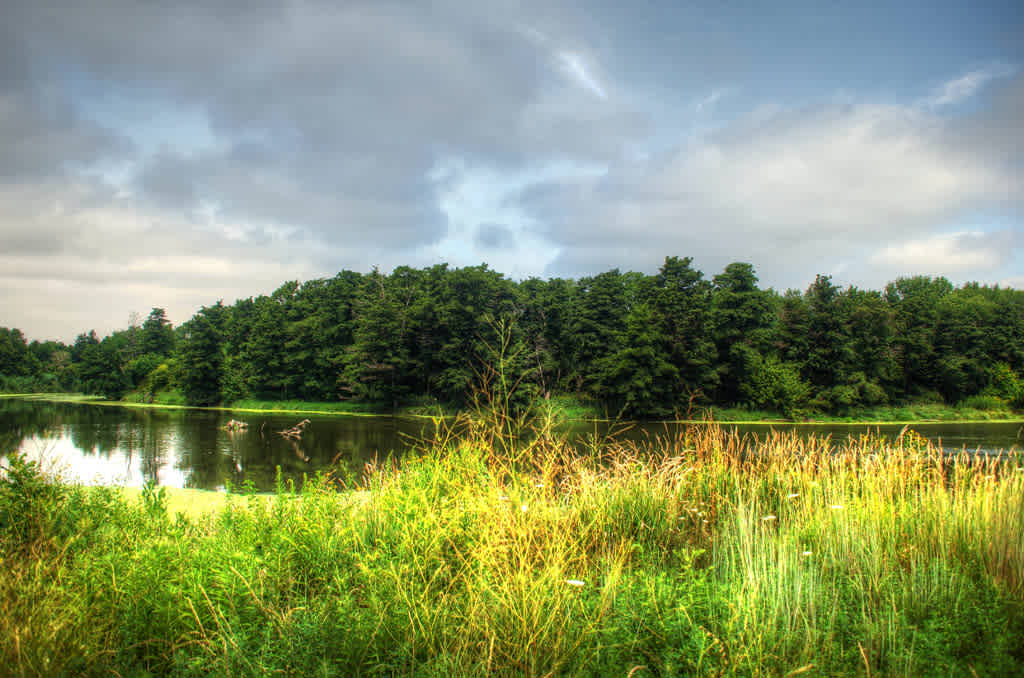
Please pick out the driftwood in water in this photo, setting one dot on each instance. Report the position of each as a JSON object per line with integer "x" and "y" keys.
{"x": 235, "y": 425}
{"x": 295, "y": 432}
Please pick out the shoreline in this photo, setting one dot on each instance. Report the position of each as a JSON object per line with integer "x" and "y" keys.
{"x": 824, "y": 421}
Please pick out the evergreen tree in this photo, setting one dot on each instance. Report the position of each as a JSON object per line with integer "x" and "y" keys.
{"x": 202, "y": 356}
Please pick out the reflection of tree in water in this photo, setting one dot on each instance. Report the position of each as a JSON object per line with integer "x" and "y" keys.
{"x": 152, "y": 434}
{"x": 21, "y": 419}
{"x": 207, "y": 455}
{"x": 93, "y": 429}
{"x": 199, "y": 452}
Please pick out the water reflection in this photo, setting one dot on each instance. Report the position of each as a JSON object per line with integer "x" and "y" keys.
{"x": 96, "y": 444}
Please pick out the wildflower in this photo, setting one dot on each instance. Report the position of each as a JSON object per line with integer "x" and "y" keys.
{"x": 792, "y": 495}
{"x": 806, "y": 553}
{"x": 523, "y": 508}
{"x": 503, "y": 497}
{"x": 574, "y": 582}
{"x": 768, "y": 517}
{"x": 539, "y": 485}
{"x": 837, "y": 507}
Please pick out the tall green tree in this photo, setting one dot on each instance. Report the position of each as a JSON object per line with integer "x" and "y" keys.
{"x": 378, "y": 364}
{"x": 916, "y": 303}
{"x": 544, "y": 315}
{"x": 742, "y": 316}
{"x": 157, "y": 334}
{"x": 15, "y": 358}
{"x": 639, "y": 379}
{"x": 681, "y": 302}
{"x": 599, "y": 308}
{"x": 102, "y": 370}
{"x": 202, "y": 355}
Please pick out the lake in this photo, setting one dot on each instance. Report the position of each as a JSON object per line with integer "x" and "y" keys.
{"x": 109, "y": 444}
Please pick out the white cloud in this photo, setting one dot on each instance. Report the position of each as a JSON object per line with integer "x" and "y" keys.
{"x": 792, "y": 190}
{"x": 948, "y": 254}
{"x": 107, "y": 257}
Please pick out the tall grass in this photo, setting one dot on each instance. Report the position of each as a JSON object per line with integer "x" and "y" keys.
{"x": 704, "y": 553}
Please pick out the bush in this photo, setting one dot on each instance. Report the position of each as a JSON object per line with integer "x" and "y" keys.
{"x": 27, "y": 501}
{"x": 983, "y": 402}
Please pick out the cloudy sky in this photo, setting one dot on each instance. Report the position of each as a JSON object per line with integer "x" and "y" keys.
{"x": 173, "y": 154}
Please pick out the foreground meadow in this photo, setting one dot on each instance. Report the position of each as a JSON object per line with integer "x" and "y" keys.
{"x": 704, "y": 554}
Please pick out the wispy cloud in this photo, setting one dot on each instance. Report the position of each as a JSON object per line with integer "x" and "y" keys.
{"x": 572, "y": 64}
{"x": 959, "y": 89}
{"x": 708, "y": 102}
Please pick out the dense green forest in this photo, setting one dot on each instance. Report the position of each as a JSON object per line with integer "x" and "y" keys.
{"x": 642, "y": 345}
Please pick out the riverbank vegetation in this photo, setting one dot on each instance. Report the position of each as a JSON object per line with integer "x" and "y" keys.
{"x": 668, "y": 345}
{"x": 478, "y": 555}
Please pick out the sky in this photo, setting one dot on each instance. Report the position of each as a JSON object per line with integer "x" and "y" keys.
{"x": 173, "y": 154}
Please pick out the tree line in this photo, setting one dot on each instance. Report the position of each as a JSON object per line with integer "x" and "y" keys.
{"x": 644, "y": 345}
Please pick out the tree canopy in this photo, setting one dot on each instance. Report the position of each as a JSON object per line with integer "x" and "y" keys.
{"x": 647, "y": 345}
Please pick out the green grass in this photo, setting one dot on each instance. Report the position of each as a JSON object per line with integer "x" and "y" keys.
{"x": 304, "y": 406}
{"x": 482, "y": 556}
{"x": 568, "y": 407}
{"x": 171, "y": 397}
{"x": 897, "y": 414}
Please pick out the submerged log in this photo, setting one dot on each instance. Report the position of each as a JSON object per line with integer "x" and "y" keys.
{"x": 295, "y": 432}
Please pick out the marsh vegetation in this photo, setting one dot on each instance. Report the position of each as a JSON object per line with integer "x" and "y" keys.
{"x": 486, "y": 554}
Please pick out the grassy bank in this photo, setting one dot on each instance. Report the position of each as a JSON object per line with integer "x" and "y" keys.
{"x": 569, "y": 408}
{"x": 689, "y": 556}
{"x": 895, "y": 414}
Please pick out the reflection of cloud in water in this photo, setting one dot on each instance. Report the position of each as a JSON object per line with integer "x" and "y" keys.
{"x": 62, "y": 458}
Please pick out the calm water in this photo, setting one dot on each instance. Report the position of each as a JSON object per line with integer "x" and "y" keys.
{"x": 188, "y": 448}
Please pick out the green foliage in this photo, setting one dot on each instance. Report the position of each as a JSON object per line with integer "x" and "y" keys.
{"x": 1004, "y": 383}
{"x": 695, "y": 556}
{"x": 769, "y": 383}
{"x": 984, "y": 402}
{"x": 640, "y": 381}
{"x": 202, "y": 356}
{"x": 644, "y": 345}
{"x": 102, "y": 370}
{"x": 28, "y": 501}
{"x": 157, "y": 334}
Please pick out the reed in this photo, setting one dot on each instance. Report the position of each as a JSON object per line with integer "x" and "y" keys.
{"x": 699, "y": 553}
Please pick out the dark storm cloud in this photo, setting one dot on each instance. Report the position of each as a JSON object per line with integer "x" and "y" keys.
{"x": 42, "y": 139}
{"x": 271, "y": 140}
{"x": 328, "y": 116}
